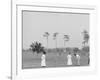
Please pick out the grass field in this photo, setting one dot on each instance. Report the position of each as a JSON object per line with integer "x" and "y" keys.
{"x": 32, "y": 60}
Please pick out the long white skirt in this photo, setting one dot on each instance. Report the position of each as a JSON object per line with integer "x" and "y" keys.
{"x": 69, "y": 62}
{"x": 43, "y": 63}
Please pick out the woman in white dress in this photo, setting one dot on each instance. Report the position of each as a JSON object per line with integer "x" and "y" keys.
{"x": 69, "y": 59}
{"x": 43, "y": 59}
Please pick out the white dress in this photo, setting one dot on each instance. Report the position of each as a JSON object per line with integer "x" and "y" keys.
{"x": 43, "y": 60}
{"x": 69, "y": 58}
{"x": 78, "y": 59}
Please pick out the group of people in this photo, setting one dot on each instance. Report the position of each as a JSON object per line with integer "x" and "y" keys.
{"x": 69, "y": 59}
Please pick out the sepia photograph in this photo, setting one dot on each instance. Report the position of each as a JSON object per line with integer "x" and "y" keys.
{"x": 55, "y": 39}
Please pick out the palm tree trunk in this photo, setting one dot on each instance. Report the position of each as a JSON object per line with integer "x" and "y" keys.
{"x": 56, "y": 44}
{"x": 47, "y": 44}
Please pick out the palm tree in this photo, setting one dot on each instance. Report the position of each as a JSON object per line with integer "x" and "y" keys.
{"x": 66, "y": 39}
{"x": 46, "y": 35}
{"x": 85, "y": 37}
{"x": 55, "y": 38}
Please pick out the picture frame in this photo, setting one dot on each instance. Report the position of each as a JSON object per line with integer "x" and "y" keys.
{"x": 16, "y": 58}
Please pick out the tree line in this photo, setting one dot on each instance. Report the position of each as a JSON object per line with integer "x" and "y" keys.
{"x": 38, "y": 47}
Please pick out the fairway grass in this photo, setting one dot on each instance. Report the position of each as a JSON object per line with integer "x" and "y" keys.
{"x": 33, "y": 60}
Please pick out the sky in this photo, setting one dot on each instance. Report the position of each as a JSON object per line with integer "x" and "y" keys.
{"x": 35, "y": 24}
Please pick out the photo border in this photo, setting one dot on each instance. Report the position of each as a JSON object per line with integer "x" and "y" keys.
{"x": 14, "y": 67}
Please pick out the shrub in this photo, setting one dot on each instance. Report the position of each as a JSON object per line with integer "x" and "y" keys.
{"x": 37, "y": 47}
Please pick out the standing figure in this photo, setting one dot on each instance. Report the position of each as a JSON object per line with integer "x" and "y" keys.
{"x": 43, "y": 59}
{"x": 78, "y": 58}
{"x": 69, "y": 59}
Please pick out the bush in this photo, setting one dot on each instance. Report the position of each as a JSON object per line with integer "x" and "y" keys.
{"x": 37, "y": 47}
